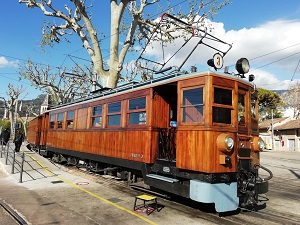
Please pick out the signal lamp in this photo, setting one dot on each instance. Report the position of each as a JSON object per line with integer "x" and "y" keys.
{"x": 242, "y": 66}
{"x": 251, "y": 77}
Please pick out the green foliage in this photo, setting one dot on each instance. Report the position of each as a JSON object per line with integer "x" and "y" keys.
{"x": 5, "y": 124}
{"x": 269, "y": 102}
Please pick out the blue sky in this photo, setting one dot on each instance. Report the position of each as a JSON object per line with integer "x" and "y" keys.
{"x": 264, "y": 31}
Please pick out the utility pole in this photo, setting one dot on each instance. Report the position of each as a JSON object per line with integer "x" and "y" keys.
{"x": 272, "y": 131}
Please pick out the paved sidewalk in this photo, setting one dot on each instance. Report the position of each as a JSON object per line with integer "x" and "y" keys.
{"x": 22, "y": 192}
{"x": 52, "y": 195}
{"x": 35, "y": 168}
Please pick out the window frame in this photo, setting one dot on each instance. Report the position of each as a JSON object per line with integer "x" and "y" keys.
{"x": 60, "y": 121}
{"x": 70, "y": 120}
{"x": 184, "y": 107}
{"x": 245, "y": 114}
{"x": 222, "y": 106}
{"x": 112, "y": 114}
{"x": 95, "y": 115}
{"x": 52, "y": 121}
{"x": 134, "y": 111}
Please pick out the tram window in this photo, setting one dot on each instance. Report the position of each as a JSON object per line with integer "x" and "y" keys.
{"x": 222, "y": 96}
{"x": 136, "y": 111}
{"x": 60, "y": 120}
{"x": 137, "y": 118}
{"x": 97, "y": 116}
{"x": 114, "y": 120}
{"x": 241, "y": 109}
{"x": 114, "y": 107}
{"x": 221, "y": 115}
{"x": 114, "y": 114}
{"x": 253, "y": 107}
{"x": 52, "y": 120}
{"x": 70, "y": 119}
{"x": 138, "y": 103}
{"x": 192, "y": 105}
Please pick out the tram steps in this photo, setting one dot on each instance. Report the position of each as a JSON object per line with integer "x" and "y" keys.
{"x": 163, "y": 178}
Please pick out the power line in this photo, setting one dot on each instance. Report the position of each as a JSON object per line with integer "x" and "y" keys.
{"x": 276, "y": 51}
{"x": 275, "y": 61}
{"x": 153, "y": 17}
{"x": 294, "y": 73}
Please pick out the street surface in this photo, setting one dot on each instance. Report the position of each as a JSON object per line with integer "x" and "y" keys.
{"x": 51, "y": 194}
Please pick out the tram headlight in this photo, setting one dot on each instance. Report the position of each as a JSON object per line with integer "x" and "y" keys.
{"x": 229, "y": 142}
{"x": 225, "y": 142}
{"x": 242, "y": 66}
{"x": 261, "y": 144}
{"x": 258, "y": 144}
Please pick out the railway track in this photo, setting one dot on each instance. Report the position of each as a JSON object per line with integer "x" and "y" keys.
{"x": 241, "y": 216}
{"x": 284, "y": 166}
{"x": 14, "y": 215}
{"x": 271, "y": 217}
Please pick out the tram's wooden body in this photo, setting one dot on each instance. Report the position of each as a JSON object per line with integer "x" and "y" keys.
{"x": 129, "y": 127}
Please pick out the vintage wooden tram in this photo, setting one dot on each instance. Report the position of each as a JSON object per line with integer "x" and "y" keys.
{"x": 195, "y": 135}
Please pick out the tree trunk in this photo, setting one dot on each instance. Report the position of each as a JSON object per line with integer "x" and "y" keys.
{"x": 11, "y": 118}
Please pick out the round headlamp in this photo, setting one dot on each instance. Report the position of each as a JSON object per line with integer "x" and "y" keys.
{"x": 229, "y": 142}
{"x": 242, "y": 66}
{"x": 225, "y": 142}
{"x": 258, "y": 144}
{"x": 261, "y": 144}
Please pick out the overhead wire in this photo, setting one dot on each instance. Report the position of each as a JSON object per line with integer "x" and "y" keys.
{"x": 275, "y": 61}
{"x": 294, "y": 74}
{"x": 69, "y": 55}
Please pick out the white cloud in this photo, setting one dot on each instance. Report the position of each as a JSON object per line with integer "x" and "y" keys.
{"x": 5, "y": 63}
{"x": 267, "y": 38}
{"x": 267, "y": 80}
{"x": 273, "y": 49}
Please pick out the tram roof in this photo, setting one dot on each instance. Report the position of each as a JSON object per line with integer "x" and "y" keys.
{"x": 169, "y": 78}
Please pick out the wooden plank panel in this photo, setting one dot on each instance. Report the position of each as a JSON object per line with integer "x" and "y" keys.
{"x": 225, "y": 82}
{"x": 44, "y": 129}
{"x": 131, "y": 145}
{"x": 82, "y": 116}
{"x": 192, "y": 82}
{"x": 33, "y": 131}
{"x": 199, "y": 152}
{"x": 160, "y": 112}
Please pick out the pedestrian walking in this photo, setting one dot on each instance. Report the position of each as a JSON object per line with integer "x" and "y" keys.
{"x": 5, "y": 136}
{"x": 18, "y": 140}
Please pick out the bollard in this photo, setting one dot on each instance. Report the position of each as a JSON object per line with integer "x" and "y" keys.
{"x": 22, "y": 164}
{"x": 13, "y": 163}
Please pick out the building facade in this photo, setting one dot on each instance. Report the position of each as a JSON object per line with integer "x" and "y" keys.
{"x": 284, "y": 136}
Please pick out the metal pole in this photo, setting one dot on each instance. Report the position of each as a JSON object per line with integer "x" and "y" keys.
{"x": 7, "y": 147}
{"x": 1, "y": 147}
{"x": 13, "y": 163}
{"x": 22, "y": 165}
{"x": 272, "y": 132}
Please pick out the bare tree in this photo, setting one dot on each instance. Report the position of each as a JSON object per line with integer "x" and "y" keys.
{"x": 11, "y": 104}
{"x": 77, "y": 19}
{"x": 63, "y": 86}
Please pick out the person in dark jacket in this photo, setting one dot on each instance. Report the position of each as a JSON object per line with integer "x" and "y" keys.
{"x": 18, "y": 140}
{"x": 5, "y": 136}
